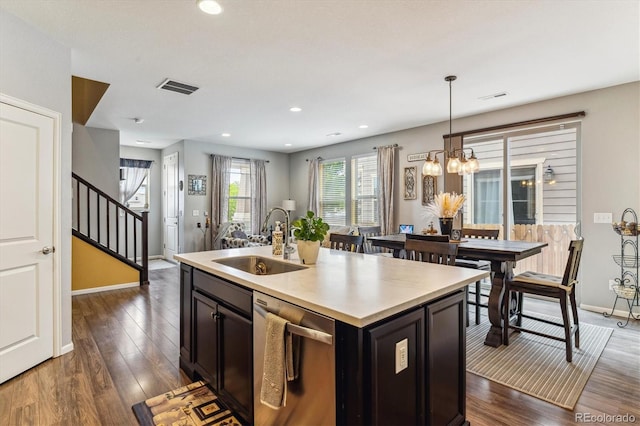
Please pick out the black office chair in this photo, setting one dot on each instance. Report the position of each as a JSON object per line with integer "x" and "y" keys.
{"x": 559, "y": 288}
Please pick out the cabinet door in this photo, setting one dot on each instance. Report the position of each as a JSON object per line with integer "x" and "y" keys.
{"x": 185, "y": 319}
{"x": 446, "y": 346}
{"x": 205, "y": 338}
{"x": 236, "y": 361}
{"x": 397, "y": 376}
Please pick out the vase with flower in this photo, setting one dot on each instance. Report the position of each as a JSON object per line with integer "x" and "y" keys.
{"x": 445, "y": 206}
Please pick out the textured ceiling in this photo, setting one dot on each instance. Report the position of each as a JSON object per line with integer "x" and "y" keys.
{"x": 344, "y": 62}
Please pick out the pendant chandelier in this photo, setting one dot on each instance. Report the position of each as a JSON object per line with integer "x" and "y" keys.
{"x": 457, "y": 161}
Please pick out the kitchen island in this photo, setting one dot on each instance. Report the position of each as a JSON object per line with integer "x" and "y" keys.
{"x": 399, "y": 337}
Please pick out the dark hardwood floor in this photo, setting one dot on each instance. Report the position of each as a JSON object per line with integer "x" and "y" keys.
{"x": 126, "y": 350}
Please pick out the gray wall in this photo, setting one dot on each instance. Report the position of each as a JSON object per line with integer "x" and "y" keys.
{"x": 36, "y": 69}
{"x": 96, "y": 157}
{"x": 194, "y": 159}
{"x": 155, "y": 206}
{"x": 609, "y": 152}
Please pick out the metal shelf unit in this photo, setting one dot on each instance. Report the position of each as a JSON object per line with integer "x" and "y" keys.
{"x": 626, "y": 287}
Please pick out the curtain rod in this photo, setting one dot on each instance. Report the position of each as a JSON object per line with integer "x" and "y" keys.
{"x": 241, "y": 158}
{"x": 518, "y": 124}
{"x": 319, "y": 158}
{"x": 395, "y": 145}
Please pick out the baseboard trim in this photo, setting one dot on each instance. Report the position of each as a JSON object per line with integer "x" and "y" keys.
{"x": 617, "y": 313}
{"x": 104, "y": 288}
{"x": 66, "y": 349}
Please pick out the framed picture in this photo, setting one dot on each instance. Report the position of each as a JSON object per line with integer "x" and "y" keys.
{"x": 429, "y": 185}
{"x": 197, "y": 185}
{"x": 410, "y": 176}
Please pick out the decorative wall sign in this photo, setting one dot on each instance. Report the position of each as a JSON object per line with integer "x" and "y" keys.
{"x": 197, "y": 185}
{"x": 410, "y": 183}
{"x": 417, "y": 157}
{"x": 429, "y": 185}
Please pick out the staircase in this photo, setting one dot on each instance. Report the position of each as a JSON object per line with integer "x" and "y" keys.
{"x": 108, "y": 225}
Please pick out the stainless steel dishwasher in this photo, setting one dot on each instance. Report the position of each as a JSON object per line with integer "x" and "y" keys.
{"x": 311, "y": 399}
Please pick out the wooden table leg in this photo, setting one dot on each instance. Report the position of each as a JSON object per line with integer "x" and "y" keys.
{"x": 499, "y": 271}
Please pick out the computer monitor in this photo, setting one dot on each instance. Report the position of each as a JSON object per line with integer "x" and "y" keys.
{"x": 406, "y": 229}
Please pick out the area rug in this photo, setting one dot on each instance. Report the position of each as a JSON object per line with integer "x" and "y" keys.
{"x": 191, "y": 405}
{"x": 536, "y": 365}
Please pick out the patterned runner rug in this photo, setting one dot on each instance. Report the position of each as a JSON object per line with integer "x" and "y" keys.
{"x": 191, "y": 405}
{"x": 536, "y": 365}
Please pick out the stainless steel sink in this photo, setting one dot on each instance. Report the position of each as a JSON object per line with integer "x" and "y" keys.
{"x": 259, "y": 265}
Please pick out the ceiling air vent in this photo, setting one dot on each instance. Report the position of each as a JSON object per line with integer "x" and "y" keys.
{"x": 176, "y": 86}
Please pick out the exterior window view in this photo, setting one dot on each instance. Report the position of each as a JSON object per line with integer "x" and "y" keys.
{"x": 293, "y": 213}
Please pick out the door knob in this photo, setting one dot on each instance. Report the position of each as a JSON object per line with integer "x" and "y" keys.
{"x": 48, "y": 250}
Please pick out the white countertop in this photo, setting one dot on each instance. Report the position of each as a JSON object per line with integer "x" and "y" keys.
{"x": 358, "y": 289}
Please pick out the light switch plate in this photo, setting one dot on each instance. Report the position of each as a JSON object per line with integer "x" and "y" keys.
{"x": 196, "y": 213}
{"x": 402, "y": 361}
{"x": 602, "y": 218}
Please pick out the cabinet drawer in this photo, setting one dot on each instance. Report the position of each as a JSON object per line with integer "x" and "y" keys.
{"x": 225, "y": 292}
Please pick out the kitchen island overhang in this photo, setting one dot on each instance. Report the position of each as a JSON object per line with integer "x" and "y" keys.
{"x": 355, "y": 288}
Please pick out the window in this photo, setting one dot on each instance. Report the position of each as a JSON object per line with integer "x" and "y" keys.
{"x": 239, "y": 203}
{"x": 140, "y": 199}
{"x": 364, "y": 190}
{"x": 532, "y": 198}
{"x": 356, "y": 181}
{"x": 333, "y": 185}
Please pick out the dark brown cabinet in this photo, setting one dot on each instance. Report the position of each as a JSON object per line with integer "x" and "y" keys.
{"x": 222, "y": 346}
{"x": 405, "y": 370}
{"x": 186, "y": 285}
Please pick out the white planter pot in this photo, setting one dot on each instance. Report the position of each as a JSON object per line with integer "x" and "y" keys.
{"x": 308, "y": 251}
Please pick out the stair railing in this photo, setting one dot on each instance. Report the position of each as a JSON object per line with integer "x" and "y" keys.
{"x": 110, "y": 226}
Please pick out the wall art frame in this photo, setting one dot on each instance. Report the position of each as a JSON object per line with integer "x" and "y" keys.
{"x": 429, "y": 186}
{"x": 410, "y": 183}
{"x": 197, "y": 185}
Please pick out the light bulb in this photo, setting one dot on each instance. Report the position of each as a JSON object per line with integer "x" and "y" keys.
{"x": 453, "y": 165}
{"x": 437, "y": 168}
{"x": 427, "y": 167}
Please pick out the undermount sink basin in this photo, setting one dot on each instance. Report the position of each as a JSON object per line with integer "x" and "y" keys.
{"x": 258, "y": 265}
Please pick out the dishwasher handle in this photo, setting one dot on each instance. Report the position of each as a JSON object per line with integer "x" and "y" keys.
{"x": 299, "y": 330}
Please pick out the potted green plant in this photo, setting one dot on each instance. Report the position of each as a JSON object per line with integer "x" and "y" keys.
{"x": 309, "y": 231}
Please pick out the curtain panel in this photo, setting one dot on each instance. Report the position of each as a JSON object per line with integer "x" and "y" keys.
{"x": 133, "y": 173}
{"x": 313, "y": 186}
{"x": 386, "y": 185}
{"x": 220, "y": 167}
{"x": 258, "y": 194}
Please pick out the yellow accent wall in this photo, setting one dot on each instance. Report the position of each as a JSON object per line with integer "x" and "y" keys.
{"x": 92, "y": 268}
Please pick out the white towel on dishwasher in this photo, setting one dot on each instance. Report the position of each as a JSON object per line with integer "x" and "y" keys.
{"x": 273, "y": 392}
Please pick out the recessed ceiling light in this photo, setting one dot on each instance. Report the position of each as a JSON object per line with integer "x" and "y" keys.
{"x": 225, "y": 135}
{"x": 138, "y": 120}
{"x": 334, "y": 134}
{"x": 139, "y": 142}
{"x": 363, "y": 126}
{"x": 295, "y": 109}
{"x": 287, "y": 144}
{"x": 211, "y": 7}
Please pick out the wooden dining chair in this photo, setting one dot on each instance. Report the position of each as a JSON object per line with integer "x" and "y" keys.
{"x": 553, "y": 286}
{"x": 424, "y": 250}
{"x": 370, "y": 231}
{"x": 482, "y": 265}
{"x": 346, "y": 242}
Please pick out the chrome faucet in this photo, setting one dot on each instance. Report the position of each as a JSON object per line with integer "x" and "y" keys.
{"x": 286, "y": 252}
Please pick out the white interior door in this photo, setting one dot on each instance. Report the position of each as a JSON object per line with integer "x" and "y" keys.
{"x": 170, "y": 205}
{"x": 27, "y": 187}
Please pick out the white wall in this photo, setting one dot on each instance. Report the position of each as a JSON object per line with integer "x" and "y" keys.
{"x": 38, "y": 70}
{"x": 155, "y": 206}
{"x": 194, "y": 159}
{"x": 608, "y": 151}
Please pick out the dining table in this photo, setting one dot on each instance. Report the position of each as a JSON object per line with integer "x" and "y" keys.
{"x": 502, "y": 255}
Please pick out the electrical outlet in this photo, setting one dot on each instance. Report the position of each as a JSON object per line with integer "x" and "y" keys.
{"x": 602, "y": 218}
{"x": 612, "y": 283}
{"x": 402, "y": 361}
{"x": 195, "y": 213}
